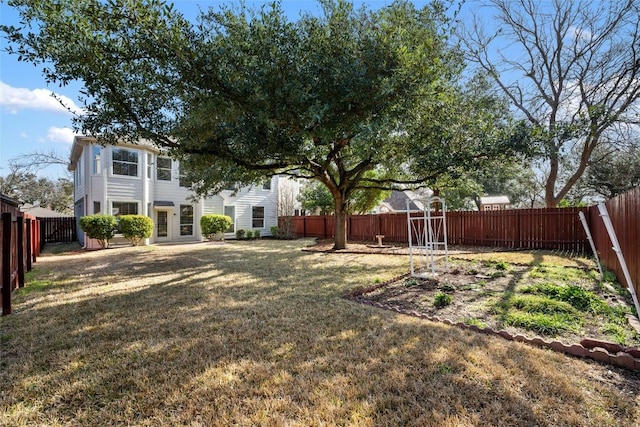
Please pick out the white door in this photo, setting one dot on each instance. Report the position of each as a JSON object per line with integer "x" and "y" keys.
{"x": 163, "y": 226}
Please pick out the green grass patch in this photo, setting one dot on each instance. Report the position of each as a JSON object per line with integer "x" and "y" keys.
{"x": 579, "y": 297}
{"x": 554, "y": 272}
{"x": 616, "y": 331}
{"x": 543, "y": 324}
{"x": 542, "y": 304}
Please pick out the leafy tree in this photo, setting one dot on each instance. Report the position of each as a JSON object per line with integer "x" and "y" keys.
{"x": 136, "y": 227}
{"x": 614, "y": 173}
{"x": 315, "y": 197}
{"x": 572, "y": 69}
{"x": 247, "y": 94}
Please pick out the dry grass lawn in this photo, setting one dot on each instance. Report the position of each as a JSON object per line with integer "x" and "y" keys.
{"x": 257, "y": 334}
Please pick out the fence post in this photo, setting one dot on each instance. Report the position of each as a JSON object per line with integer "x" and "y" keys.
{"x": 517, "y": 239}
{"x": 20, "y": 244}
{"x": 42, "y": 232}
{"x": 6, "y": 263}
{"x": 30, "y": 248}
{"x": 324, "y": 226}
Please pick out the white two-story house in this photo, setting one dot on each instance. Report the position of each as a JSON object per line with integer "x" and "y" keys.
{"x": 140, "y": 179}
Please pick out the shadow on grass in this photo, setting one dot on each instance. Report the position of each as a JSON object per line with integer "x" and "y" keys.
{"x": 258, "y": 334}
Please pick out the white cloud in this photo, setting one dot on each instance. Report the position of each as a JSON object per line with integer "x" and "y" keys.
{"x": 14, "y": 99}
{"x": 64, "y": 135}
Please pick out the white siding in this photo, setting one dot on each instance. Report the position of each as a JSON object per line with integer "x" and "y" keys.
{"x": 246, "y": 198}
{"x": 105, "y": 188}
{"x": 213, "y": 205}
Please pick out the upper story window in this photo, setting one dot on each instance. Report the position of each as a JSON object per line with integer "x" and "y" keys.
{"x": 149, "y": 163}
{"x": 163, "y": 169}
{"x": 79, "y": 172}
{"x": 95, "y": 154}
{"x": 125, "y": 162}
{"x": 183, "y": 178}
{"x": 266, "y": 185}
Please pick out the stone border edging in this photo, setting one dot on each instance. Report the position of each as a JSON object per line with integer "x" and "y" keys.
{"x": 601, "y": 351}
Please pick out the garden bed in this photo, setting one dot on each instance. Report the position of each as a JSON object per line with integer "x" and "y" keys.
{"x": 554, "y": 301}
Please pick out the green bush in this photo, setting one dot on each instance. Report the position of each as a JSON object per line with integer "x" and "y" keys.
{"x": 240, "y": 233}
{"x": 442, "y": 300}
{"x": 100, "y": 227}
{"x": 256, "y": 234}
{"x": 213, "y": 224}
{"x": 136, "y": 227}
{"x": 275, "y": 231}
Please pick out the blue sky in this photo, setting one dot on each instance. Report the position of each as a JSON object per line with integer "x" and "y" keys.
{"x": 31, "y": 119}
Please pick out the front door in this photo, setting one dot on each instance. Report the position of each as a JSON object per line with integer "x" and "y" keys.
{"x": 163, "y": 226}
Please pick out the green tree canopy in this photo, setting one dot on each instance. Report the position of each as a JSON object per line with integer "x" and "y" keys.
{"x": 245, "y": 94}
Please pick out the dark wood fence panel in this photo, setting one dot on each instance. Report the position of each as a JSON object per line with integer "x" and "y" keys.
{"x": 624, "y": 211}
{"x": 19, "y": 249}
{"x": 523, "y": 228}
{"x": 58, "y": 230}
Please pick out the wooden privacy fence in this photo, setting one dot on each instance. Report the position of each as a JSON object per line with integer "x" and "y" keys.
{"x": 624, "y": 211}
{"x": 20, "y": 237}
{"x": 60, "y": 230}
{"x": 558, "y": 228}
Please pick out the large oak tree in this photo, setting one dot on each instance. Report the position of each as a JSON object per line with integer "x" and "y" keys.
{"x": 571, "y": 68}
{"x": 353, "y": 98}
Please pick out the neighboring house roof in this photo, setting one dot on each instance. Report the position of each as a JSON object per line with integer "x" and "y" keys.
{"x": 10, "y": 201}
{"x": 41, "y": 212}
{"x": 495, "y": 200}
{"x": 397, "y": 201}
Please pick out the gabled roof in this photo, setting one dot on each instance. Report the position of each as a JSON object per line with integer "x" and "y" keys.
{"x": 495, "y": 200}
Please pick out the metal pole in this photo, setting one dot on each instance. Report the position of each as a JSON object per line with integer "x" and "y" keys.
{"x": 616, "y": 248}
{"x": 583, "y": 220}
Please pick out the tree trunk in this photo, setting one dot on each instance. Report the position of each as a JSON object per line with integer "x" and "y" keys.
{"x": 340, "y": 229}
{"x": 550, "y": 186}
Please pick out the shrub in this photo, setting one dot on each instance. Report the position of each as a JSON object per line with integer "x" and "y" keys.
{"x": 136, "y": 227}
{"x": 442, "y": 300}
{"x": 256, "y": 234}
{"x": 240, "y": 233}
{"x": 213, "y": 224}
{"x": 100, "y": 227}
{"x": 275, "y": 231}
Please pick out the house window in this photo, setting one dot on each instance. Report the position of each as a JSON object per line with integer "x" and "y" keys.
{"x": 230, "y": 211}
{"x": 125, "y": 162}
{"x": 183, "y": 178}
{"x": 79, "y": 172}
{"x": 186, "y": 220}
{"x": 96, "y": 207}
{"x": 149, "y": 163}
{"x": 124, "y": 208}
{"x": 266, "y": 185}
{"x": 96, "y": 159}
{"x": 257, "y": 217}
{"x": 163, "y": 169}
